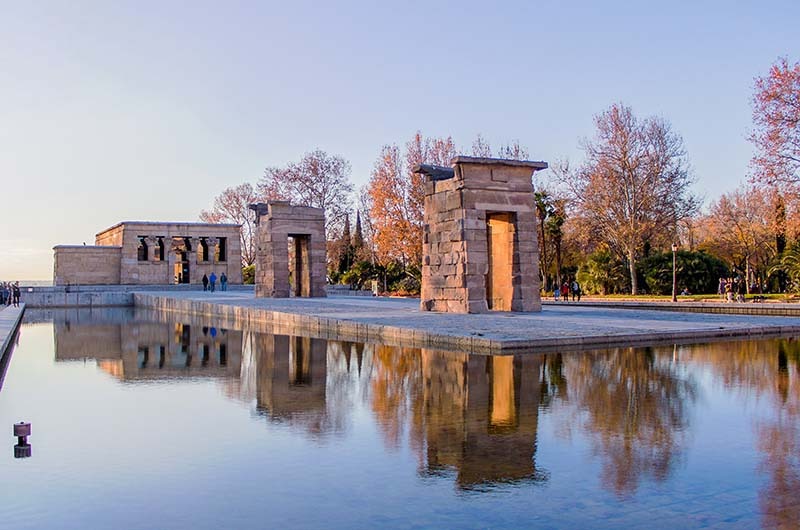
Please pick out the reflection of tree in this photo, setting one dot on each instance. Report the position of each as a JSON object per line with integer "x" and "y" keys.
{"x": 635, "y": 405}
{"x": 553, "y": 381}
{"x": 778, "y": 440}
{"x": 396, "y": 383}
{"x": 768, "y": 370}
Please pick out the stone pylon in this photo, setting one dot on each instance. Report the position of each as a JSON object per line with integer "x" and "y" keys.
{"x": 279, "y": 224}
{"x": 480, "y": 247}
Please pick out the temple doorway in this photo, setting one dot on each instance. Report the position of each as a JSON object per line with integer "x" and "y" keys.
{"x": 299, "y": 265}
{"x": 181, "y": 271}
{"x": 500, "y": 248}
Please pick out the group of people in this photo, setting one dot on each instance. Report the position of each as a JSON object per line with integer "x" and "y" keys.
{"x": 210, "y": 282}
{"x": 732, "y": 289}
{"x": 563, "y": 291}
{"x": 9, "y": 293}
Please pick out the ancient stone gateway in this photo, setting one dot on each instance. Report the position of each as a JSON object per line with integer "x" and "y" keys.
{"x": 479, "y": 246}
{"x": 279, "y": 225}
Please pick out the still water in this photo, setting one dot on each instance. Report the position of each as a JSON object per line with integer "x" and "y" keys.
{"x": 154, "y": 421}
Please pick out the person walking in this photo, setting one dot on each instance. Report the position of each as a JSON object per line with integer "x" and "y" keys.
{"x": 721, "y": 289}
{"x": 212, "y": 280}
{"x": 556, "y": 292}
{"x": 565, "y": 291}
{"x": 205, "y": 282}
{"x": 576, "y": 290}
{"x": 223, "y": 281}
{"x": 15, "y": 293}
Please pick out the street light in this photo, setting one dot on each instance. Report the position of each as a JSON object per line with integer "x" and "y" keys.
{"x": 674, "y": 274}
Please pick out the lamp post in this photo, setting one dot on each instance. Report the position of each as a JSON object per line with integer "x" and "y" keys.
{"x": 674, "y": 274}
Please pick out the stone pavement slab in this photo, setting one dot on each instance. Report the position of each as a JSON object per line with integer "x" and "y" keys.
{"x": 10, "y": 318}
{"x": 399, "y": 321}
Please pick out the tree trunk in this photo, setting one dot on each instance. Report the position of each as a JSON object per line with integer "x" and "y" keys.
{"x": 747, "y": 274}
{"x": 632, "y": 268}
{"x": 543, "y": 255}
{"x": 558, "y": 262}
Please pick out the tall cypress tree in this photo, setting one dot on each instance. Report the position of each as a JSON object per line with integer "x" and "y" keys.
{"x": 358, "y": 236}
{"x": 345, "y": 247}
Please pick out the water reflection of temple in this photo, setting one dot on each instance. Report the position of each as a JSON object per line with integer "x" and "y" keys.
{"x": 291, "y": 378}
{"x": 136, "y": 350}
{"x": 481, "y": 416}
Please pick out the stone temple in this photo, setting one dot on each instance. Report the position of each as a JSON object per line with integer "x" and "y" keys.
{"x": 152, "y": 253}
{"x": 304, "y": 272}
{"x": 480, "y": 247}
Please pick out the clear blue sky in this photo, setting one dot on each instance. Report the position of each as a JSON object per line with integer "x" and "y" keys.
{"x": 115, "y": 111}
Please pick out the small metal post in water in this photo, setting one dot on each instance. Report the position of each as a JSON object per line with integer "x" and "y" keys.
{"x": 23, "y": 449}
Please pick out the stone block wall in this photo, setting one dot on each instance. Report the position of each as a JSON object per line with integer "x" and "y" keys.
{"x": 307, "y": 226}
{"x": 86, "y": 265}
{"x": 156, "y": 271}
{"x": 480, "y": 245}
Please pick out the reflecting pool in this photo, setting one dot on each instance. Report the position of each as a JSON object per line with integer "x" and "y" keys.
{"x": 163, "y": 421}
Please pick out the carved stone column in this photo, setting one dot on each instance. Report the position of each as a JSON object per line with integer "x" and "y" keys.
{"x": 152, "y": 244}
{"x": 211, "y": 244}
{"x": 193, "y": 255}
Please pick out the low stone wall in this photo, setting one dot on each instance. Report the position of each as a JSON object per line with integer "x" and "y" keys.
{"x": 99, "y": 295}
{"x": 62, "y": 298}
{"x": 748, "y": 308}
{"x": 344, "y": 290}
{"x": 86, "y": 265}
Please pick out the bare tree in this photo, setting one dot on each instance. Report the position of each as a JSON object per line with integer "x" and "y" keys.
{"x": 481, "y": 148}
{"x": 776, "y": 116}
{"x": 737, "y": 229}
{"x": 513, "y": 151}
{"x": 634, "y": 184}
{"x": 232, "y": 206}
{"x": 319, "y": 179}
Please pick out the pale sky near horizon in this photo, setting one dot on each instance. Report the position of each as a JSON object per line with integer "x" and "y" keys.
{"x": 114, "y": 111}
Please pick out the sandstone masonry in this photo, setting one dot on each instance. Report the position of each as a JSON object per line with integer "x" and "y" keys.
{"x": 480, "y": 249}
{"x": 152, "y": 253}
{"x": 277, "y": 222}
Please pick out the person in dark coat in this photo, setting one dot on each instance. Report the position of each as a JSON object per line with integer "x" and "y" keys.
{"x": 15, "y": 293}
{"x": 223, "y": 281}
{"x": 205, "y": 282}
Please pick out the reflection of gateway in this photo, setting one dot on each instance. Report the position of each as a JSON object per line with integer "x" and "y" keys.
{"x": 150, "y": 350}
{"x": 291, "y": 379}
{"x": 482, "y": 416}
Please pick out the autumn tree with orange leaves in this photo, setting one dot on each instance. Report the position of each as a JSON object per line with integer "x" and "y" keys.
{"x": 395, "y": 197}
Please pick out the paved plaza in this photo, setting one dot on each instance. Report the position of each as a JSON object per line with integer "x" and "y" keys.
{"x": 399, "y": 321}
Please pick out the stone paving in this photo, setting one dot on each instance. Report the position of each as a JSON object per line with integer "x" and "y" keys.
{"x": 10, "y": 318}
{"x": 399, "y": 321}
